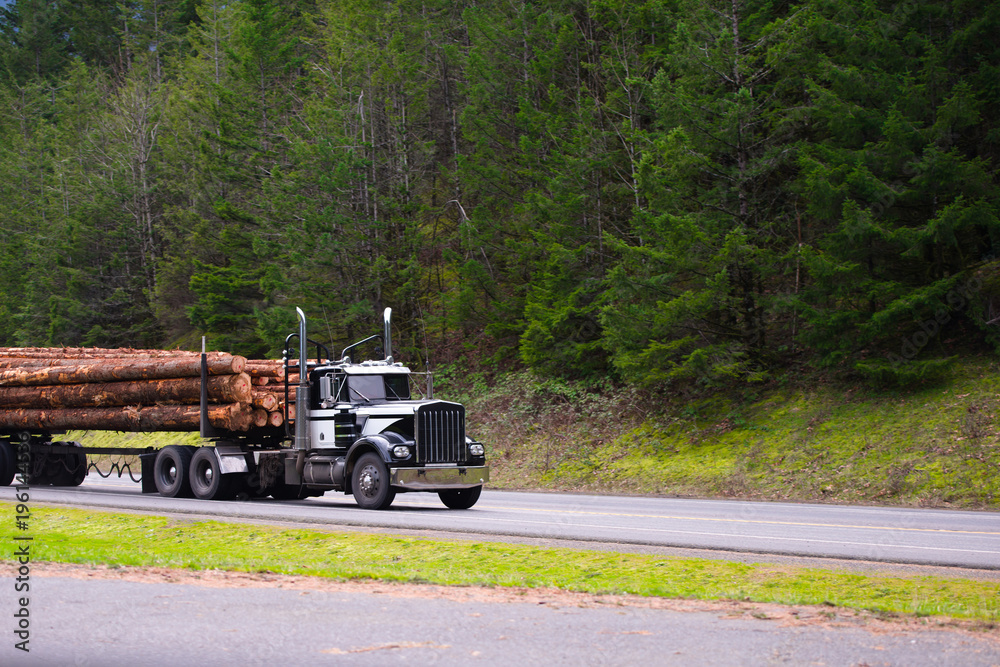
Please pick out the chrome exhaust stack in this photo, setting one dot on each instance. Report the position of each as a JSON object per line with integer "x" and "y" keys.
{"x": 302, "y": 391}
{"x": 387, "y": 338}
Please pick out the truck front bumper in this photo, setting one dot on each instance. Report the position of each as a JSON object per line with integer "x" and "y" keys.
{"x": 439, "y": 479}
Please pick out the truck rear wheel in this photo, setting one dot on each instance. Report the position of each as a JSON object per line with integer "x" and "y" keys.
{"x": 170, "y": 472}
{"x": 370, "y": 483}
{"x": 207, "y": 481}
{"x": 460, "y": 499}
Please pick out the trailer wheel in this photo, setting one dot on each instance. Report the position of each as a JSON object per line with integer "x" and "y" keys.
{"x": 370, "y": 483}
{"x": 8, "y": 463}
{"x": 73, "y": 467}
{"x": 460, "y": 499}
{"x": 170, "y": 472}
{"x": 207, "y": 481}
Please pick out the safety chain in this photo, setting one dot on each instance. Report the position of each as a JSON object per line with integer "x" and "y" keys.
{"x": 121, "y": 467}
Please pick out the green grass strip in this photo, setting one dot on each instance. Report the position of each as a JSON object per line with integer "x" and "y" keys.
{"x": 94, "y": 538}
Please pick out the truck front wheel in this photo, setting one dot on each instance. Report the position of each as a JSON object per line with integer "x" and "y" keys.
{"x": 460, "y": 499}
{"x": 370, "y": 483}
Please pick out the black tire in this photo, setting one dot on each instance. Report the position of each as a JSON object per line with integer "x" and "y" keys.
{"x": 461, "y": 499}
{"x": 207, "y": 481}
{"x": 71, "y": 468}
{"x": 8, "y": 463}
{"x": 170, "y": 472}
{"x": 370, "y": 483}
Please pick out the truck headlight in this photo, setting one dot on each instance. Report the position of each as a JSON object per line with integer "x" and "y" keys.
{"x": 477, "y": 449}
{"x": 401, "y": 452}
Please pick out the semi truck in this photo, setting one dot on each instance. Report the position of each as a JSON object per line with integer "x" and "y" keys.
{"x": 355, "y": 429}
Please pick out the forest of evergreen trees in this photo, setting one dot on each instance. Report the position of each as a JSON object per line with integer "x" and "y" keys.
{"x": 651, "y": 190}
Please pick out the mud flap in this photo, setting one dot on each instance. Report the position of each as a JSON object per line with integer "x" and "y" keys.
{"x": 147, "y": 461}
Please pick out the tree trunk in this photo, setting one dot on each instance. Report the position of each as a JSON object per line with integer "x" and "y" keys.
{"x": 259, "y": 368}
{"x": 123, "y": 370}
{"x": 277, "y": 391}
{"x": 90, "y": 352}
{"x": 235, "y": 417}
{"x": 184, "y": 391}
{"x": 267, "y": 401}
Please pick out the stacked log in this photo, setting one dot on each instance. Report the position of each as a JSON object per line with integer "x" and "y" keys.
{"x": 134, "y": 390}
{"x": 268, "y": 378}
{"x": 269, "y": 385}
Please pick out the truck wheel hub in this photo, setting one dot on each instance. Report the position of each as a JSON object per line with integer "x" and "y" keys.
{"x": 369, "y": 481}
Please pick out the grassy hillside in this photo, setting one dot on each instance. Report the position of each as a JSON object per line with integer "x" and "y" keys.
{"x": 935, "y": 445}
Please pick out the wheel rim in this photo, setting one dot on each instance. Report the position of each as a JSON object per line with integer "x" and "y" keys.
{"x": 205, "y": 473}
{"x": 369, "y": 481}
{"x": 168, "y": 473}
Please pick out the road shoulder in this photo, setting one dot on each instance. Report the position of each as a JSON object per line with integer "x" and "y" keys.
{"x": 784, "y": 616}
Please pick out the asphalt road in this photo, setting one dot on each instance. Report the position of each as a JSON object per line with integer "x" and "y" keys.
{"x": 80, "y": 620}
{"x": 944, "y": 538}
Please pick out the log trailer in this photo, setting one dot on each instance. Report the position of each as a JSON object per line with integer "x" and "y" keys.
{"x": 354, "y": 428}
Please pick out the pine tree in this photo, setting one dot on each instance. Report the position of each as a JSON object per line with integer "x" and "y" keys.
{"x": 32, "y": 41}
{"x": 693, "y": 296}
{"x": 900, "y": 182}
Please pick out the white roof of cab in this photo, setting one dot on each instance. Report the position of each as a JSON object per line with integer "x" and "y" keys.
{"x": 375, "y": 369}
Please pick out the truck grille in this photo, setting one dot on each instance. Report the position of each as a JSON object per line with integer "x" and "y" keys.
{"x": 440, "y": 433}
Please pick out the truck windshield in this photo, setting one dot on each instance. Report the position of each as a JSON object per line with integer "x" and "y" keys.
{"x": 378, "y": 387}
{"x": 366, "y": 388}
{"x": 397, "y": 387}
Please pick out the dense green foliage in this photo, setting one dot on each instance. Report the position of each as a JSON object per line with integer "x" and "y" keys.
{"x": 657, "y": 190}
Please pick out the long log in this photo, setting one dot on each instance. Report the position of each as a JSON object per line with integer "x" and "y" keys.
{"x": 265, "y": 368}
{"x": 264, "y": 400}
{"x": 293, "y": 380}
{"x": 123, "y": 370}
{"x": 8, "y": 363}
{"x": 281, "y": 409}
{"x": 54, "y": 359}
{"x": 154, "y": 418}
{"x": 275, "y": 419}
{"x": 242, "y": 418}
{"x": 278, "y": 392}
{"x": 183, "y": 391}
{"x": 87, "y": 352}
